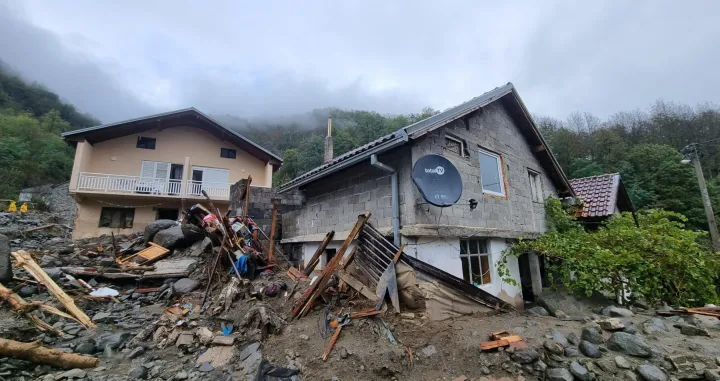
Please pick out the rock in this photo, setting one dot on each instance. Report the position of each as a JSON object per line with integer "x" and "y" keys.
{"x": 592, "y": 335}
{"x": 223, "y": 340}
{"x": 622, "y": 363}
{"x": 525, "y": 356}
{"x": 181, "y": 375}
{"x": 580, "y": 372}
{"x": 561, "y": 315}
{"x": 112, "y": 340}
{"x": 218, "y": 356}
{"x": 573, "y": 338}
{"x": 407, "y": 315}
{"x": 26, "y": 291}
{"x": 650, "y": 372}
{"x": 611, "y": 324}
{"x": 712, "y": 374}
{"x": 630, "y": 375}
{"x": 206, "y": 367}
{"x": 184, "y": 286}
{"x": 185, "y": 339}
{"x": 620, "y": 312}
{"x": 590, "y": 350}
{"x": 629, "y": 344}
{"x": 192, "y": 233}
{"x": 249, "y": 350}
{"x": 572, "y": 352}
{"x": 691, "y": 330}
{"x": 343, "y": 353}
{"x": 152, "y": 228}
{"x": 85, "y": 348}
{"x": 304, "y": 337}
{"x": 204, "y": 334}
{"x": 170, "y": 238}
{"x": 539, "y": 365}
{"x": 6, "y": 273}
{"x": 138, "y": 372}
{"x": 537, "y": 311}
{"x": 560, "y": 338}
{"x": 135, "y": 353}
{"x": 101, "y": 317}
{"x": 72, "y": 373}
{"x": 553, "y": 347}
{"x": 429, "y": 350}
{"x": 558, "y": 374}
{"x": 654, "y": 325}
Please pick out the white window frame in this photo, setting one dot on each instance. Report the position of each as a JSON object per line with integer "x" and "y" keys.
{"x": 462, "y": 145}
{"x": 468, "y": 255}
{"x": 535, "y": 185}
{"x": 501, "y": 174}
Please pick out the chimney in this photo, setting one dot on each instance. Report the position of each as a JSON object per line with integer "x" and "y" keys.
{"x": 329, "y": 143}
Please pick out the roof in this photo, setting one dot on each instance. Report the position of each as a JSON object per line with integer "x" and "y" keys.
{"x": 507, "y": 94}
{"x": 600, "y": 195}
{"x": 184, "y": 117}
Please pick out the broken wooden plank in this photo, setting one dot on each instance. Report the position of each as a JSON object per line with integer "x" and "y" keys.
{"x": 331, "y": 344}
{"x": 93, "y": 272}
{"x": 362, "y": 314}
{"x": 24, "y": 260}
{"x": 296, "y": 274}
{"x": 358, "y": 286}
{"x": 316, "y": 257}
{"x": 346, "y": 261}
{"x": 39, "y": 228}
{"x": 38, "y": 354}
{"x": 148, "y": 255}
{"x": 504, "y": 342}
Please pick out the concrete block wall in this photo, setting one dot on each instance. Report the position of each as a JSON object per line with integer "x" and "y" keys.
{"x": 261, "y": 204}
{"x": 494, "y": 130}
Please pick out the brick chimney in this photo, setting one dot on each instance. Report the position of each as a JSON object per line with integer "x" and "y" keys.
{"x": 328, "y": 143}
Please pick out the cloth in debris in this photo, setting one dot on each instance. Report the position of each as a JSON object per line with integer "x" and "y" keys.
{"x": 442, "y": 302}
{"x": 241, "y": 265}
{"x": 408, "y": 290}
{"x": 268, "y": 371}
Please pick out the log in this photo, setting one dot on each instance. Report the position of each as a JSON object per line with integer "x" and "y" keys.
{"x": 24, "y": 260}
{"x": 47, "y": 356}
{"x": 20, "y": 305}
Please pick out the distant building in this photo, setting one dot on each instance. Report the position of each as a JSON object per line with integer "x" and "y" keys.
{"x": 602, "y": 197}
{"x": 130, "y": 173}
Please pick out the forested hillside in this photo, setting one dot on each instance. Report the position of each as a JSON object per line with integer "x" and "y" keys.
{"x": 31, "y": 119}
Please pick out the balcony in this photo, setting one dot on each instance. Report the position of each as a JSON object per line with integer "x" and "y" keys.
{"x": 143, "y": 186}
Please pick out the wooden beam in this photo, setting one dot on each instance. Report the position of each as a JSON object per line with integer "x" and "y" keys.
{"x": 316, "y": 257}
{"x": 24, "y": 260}
{"x": 38, "y": 354}
{"x": 359, "y": 287}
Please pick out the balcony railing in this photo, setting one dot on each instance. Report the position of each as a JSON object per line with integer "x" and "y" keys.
{"x": 121, "y": 184}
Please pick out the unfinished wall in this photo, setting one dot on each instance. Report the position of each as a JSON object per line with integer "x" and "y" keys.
{"x": 335, "y": 202}
{"x": 261, "y": 204}
{"x": 493, "y": 130}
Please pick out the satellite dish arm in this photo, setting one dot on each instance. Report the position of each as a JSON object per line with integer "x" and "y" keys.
{"x": 395, "y": 198}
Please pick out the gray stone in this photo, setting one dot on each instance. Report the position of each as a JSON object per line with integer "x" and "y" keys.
{"x": 580, "y": 372}
{"x": 691, "y": 330}
{"x": 629, "y": 344}
{"x": 101, "y": 317}
{"x": 26, "y": 291}
{"x": 558, "y": 374}
{"x": 184, "y": 285}
{"x": 138, "y": 372}
{"x": 712, "y": 374}
{"x": 181, "y": 375}
{"x": 170, "y": 238}
{"x": 650, "y": 372}
{"x": 537, "y": 311}
{"x": 560, "y": 338}
{"x": 192, "y": 233}
{"x": 429, "y": 350}
{"x": 572, "y": 352}
{"x": 573, "y": 338}
{"x": 539, "y": 365}
{"x": 71, "y": 374}
{"x": 611, "y": 324}
{"x": 592, "y": 334}
{"x": 249, "y": 350}
{"x": 152, "y": 228}
{"x": 86, "y": 348}
{"x": 112, "y": 340}
{"x": 622, "y": 363}
{"x": 553, "y": 346}
{"x": 185, "y": 339}
{"x": 620, "y": 312}
{"x": 135, "y": 353}
{"x": 525, "y": 356}
{"x": 590, "y": 350}
{"x": 654, "y": 326}
{"x": 206, "y": 367}
{"x": 630, "y": 375}
{"x": 343, "y": 353}
{"x": 6, "y": 273}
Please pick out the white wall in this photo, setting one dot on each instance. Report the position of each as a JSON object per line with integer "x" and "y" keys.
{"x": 444, "y": 253}
{"x": 309, "y": 249}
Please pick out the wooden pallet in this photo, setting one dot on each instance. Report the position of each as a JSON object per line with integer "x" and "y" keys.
{"x": 146, "y": 256}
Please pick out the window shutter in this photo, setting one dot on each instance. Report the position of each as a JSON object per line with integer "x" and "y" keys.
{"x": 148, "y": 169}
{"x": 162, "y": 170}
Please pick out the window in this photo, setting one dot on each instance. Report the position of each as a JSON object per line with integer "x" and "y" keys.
{"x": 121, "y": 218}
{"x": 475, "y": 261}
{"x": 454, "y": 145}
{"x": 146, "y": 143}
{"x": 535, "y": 186}
{"x": 491, "y": 174}
{"x": 228, "y": 153}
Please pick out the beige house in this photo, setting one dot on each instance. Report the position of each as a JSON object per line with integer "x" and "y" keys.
{"x": 130, "y": 173}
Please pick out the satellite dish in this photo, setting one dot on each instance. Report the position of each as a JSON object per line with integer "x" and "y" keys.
{"x": 438, "y": 180}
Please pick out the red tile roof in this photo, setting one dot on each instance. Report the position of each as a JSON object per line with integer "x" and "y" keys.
{"x": 599, "y": 194}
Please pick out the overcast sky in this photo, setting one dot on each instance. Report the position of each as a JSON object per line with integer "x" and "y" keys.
{"x": 123, "y": 59}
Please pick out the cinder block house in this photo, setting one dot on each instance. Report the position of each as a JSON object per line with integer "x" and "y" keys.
{"x": 505, "y": 165}
{"x": 130, "y": 173}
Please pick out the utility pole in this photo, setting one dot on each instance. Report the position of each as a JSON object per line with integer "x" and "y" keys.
{"x": 714, "y": 236}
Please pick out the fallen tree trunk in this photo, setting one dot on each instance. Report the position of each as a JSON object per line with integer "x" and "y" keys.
{"x": 48, "y": 356}
{"x": 20, "y": 305}
{"x": 24, "y": 260}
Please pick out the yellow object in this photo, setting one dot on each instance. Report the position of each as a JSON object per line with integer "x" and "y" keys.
{"x": 23, "y": 208}
{"x": 12, "y": 208}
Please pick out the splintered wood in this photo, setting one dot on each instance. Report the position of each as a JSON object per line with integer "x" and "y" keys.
{"x": 147, "y": 256}
{"x": 503, "y": 339}
{"x": 21, "y": 306}
{"x": 24, "y": 260}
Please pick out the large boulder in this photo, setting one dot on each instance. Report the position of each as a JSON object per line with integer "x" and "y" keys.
{"x": 184, "y": 285}
{"x": 525, "y": 356}
{"x": 6, "y": 273}
{"x": 170, "y": 238}
{"x": 111, "y": 340}
{"x": 592, "y": 334}
{"x": 630, "y": 344}
{"x": 192, "y": 233}
{"x": 590, "y": 350}
{"x": 580, "y": 372}
{"x": 152, "y": 228}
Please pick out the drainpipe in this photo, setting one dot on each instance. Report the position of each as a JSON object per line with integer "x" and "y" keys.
{"x": 395, "y": 199}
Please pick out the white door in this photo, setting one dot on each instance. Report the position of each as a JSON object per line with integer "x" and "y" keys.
{"x": 214, "y": 181}
{"x": 154, "y": 177}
